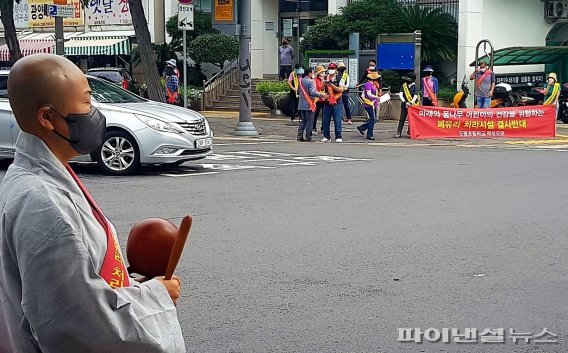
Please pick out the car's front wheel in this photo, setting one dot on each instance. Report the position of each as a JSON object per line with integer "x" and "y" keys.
{"x": 119, "y": 154}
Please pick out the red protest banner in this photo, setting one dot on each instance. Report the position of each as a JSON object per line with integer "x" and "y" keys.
{"x": 515, "y": 122}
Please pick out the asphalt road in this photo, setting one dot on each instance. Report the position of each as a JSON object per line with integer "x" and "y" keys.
{"x": 299, "y": 250}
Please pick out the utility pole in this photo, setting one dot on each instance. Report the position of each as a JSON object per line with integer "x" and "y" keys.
{"x": 245, "y": 126}
{"x": 59, "y": 40}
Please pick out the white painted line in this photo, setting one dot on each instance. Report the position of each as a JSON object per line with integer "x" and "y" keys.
{"x": 248, "y": 143}
{"x": 186, "y": 175}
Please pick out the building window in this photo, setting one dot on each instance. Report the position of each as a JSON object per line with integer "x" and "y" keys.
{"x": 303, "y": 5}
{"x": 203, "y": 5}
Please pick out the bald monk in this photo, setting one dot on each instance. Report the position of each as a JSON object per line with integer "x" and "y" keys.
{"x": 63, "y": 283}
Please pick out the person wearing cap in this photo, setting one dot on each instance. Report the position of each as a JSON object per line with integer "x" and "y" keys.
{"x": 286, "y": 57}
{"x": 408, "y": 98}
{"x": 320, "y": 87}
{"x": 333, "y": 105}
{"x": 370, "y": 97}
{"x": 484, "y": 85}
{"x": 552, "y": 91}
{"x": 171, "y": 65}
{"x": 294, "y": 83}
{"x": 344, "y": 76}
{"x": 306, "y": 105}
{"x": 429, "y": 88}
{"x": 172, "y": 82}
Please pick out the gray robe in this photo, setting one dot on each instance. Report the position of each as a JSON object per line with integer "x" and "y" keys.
{"x": 52, "y": 298}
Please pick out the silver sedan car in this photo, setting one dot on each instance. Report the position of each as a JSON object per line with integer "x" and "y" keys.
{"x": 139, "y": 131}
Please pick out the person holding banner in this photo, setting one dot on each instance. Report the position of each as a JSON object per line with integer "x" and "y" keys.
{"x": 64, "y": 286}
{"x": 484, "y": 85}
{"x": 429, "y": 88}
{"x": 370, "y": 97}
{"x": 333, "y": 105}
{"x": 307, "y": 106}
{"x": 552, "y": 91}
{"x": 408, "y": 98}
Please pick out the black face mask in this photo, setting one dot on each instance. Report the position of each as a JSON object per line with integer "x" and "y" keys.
{"x": 86, "y": 131}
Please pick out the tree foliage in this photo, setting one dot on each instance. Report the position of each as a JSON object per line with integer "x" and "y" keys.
{"x": 373, "y": 17}
{"x": 213, "y": 48}
{"x": 439, "y": 31}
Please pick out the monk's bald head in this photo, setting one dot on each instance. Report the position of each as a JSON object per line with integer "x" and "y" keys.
{"x": 42, "y": 80}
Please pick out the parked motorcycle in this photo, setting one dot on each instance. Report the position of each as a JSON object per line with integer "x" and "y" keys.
{"x": 563, "y": 104}
{"x": 502, "y": 96}
{"x": 461, "y": 96}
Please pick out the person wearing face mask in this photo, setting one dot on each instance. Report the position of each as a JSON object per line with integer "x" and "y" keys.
{"x": 370, "y": 96}
{"x": 294, "y": 83}
{"x": 408, "y": 98}
{"x": 333, "y": 107}
{"x": 429, "y": 88}
{"x": 552, "y": 91}
{"x": 484, "y": 85}
{"x": 64, "y": 285}
{"x": 286, "y": 57}
{"x": 344, "y": 77}
{"x": 320, "y": 87}
{"x": 372, "y": 67}
{"x": 307, "y": 106}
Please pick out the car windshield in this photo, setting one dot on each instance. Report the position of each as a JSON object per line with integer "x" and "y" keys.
{"x": 104, "y": 92}
{"x": 111, "y": 75}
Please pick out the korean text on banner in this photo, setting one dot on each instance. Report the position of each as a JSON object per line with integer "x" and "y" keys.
{"x": 514, "y": 122}
{"x": 36, "y": 18}
{"x": 108, "y": 12}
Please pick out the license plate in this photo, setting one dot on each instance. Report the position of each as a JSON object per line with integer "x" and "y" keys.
{"x": 204, "y": 142}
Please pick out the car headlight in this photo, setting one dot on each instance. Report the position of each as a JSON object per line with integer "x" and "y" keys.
{"x": 159, "y": 125}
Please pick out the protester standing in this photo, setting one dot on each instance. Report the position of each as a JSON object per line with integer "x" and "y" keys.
{"x": 64, "y": 286}
{"x": 484, "y": 85}
{"x": 286, "y": 58}
{"x": 333, "y": 105}
{"x": 372, "y": 67}
{"x": 552, "y": 91}
{"x": 172, "y": 85}
{"x": 320, "y": 87}
{"x": 344, "y": 76}
{"x": 371, "y": 98}
{"x": 408, "y": 98}
{"x": 307, "y": 106}
{"x": 294, "y": 84}
{"x": 429, "y": 88}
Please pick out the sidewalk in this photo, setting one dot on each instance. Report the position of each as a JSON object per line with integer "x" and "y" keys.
{"x": 283, "y": 130}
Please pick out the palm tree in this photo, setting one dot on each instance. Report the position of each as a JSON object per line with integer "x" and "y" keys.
{"x": 7, "y": 17}
{"x": 439, "y": 31}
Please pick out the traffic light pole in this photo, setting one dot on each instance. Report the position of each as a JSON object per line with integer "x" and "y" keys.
{"x": 245, "y": 126}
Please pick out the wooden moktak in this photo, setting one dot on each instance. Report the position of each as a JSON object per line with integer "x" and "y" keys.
{"x": 155, "y": 245}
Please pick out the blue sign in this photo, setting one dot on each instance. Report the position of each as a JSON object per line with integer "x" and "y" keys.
{"x": 395, "y": 56}
{"x": 52, "y": 10}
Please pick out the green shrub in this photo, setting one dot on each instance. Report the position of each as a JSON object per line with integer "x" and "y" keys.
{"x": 391, "y": 79}
{"x": 447, "y": 92}
{"x": 266, "y": 87}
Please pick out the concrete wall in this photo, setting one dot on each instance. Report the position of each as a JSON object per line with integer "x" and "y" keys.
{"x": 505, "y": 23}
{"x": 264, "y": 43}
{"x": 334, "y": 6}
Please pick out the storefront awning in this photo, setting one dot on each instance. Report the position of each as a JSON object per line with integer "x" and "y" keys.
{"x": 101, "y": 46}
{"x": 29, "y": 47}
{"x": 526, "y": 56}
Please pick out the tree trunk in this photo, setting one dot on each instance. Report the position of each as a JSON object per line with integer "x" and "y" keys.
{"x": 155, "y": 90}
{"x": 7, "y": 17}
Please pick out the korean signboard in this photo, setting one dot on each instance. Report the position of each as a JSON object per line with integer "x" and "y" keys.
{"x": 224, "y": 10}
{"x": 37, "y": 19}
{"x": 517, "y": 122}
{"x": 21, "y": 14}
{"x": 108, "y": 12}
{"x": 521, "y": 79}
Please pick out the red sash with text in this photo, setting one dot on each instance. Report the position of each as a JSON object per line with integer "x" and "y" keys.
{"x": 113, "y": 270}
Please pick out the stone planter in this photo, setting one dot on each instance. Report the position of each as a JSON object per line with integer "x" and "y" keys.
{"x": 279, "y": 104}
